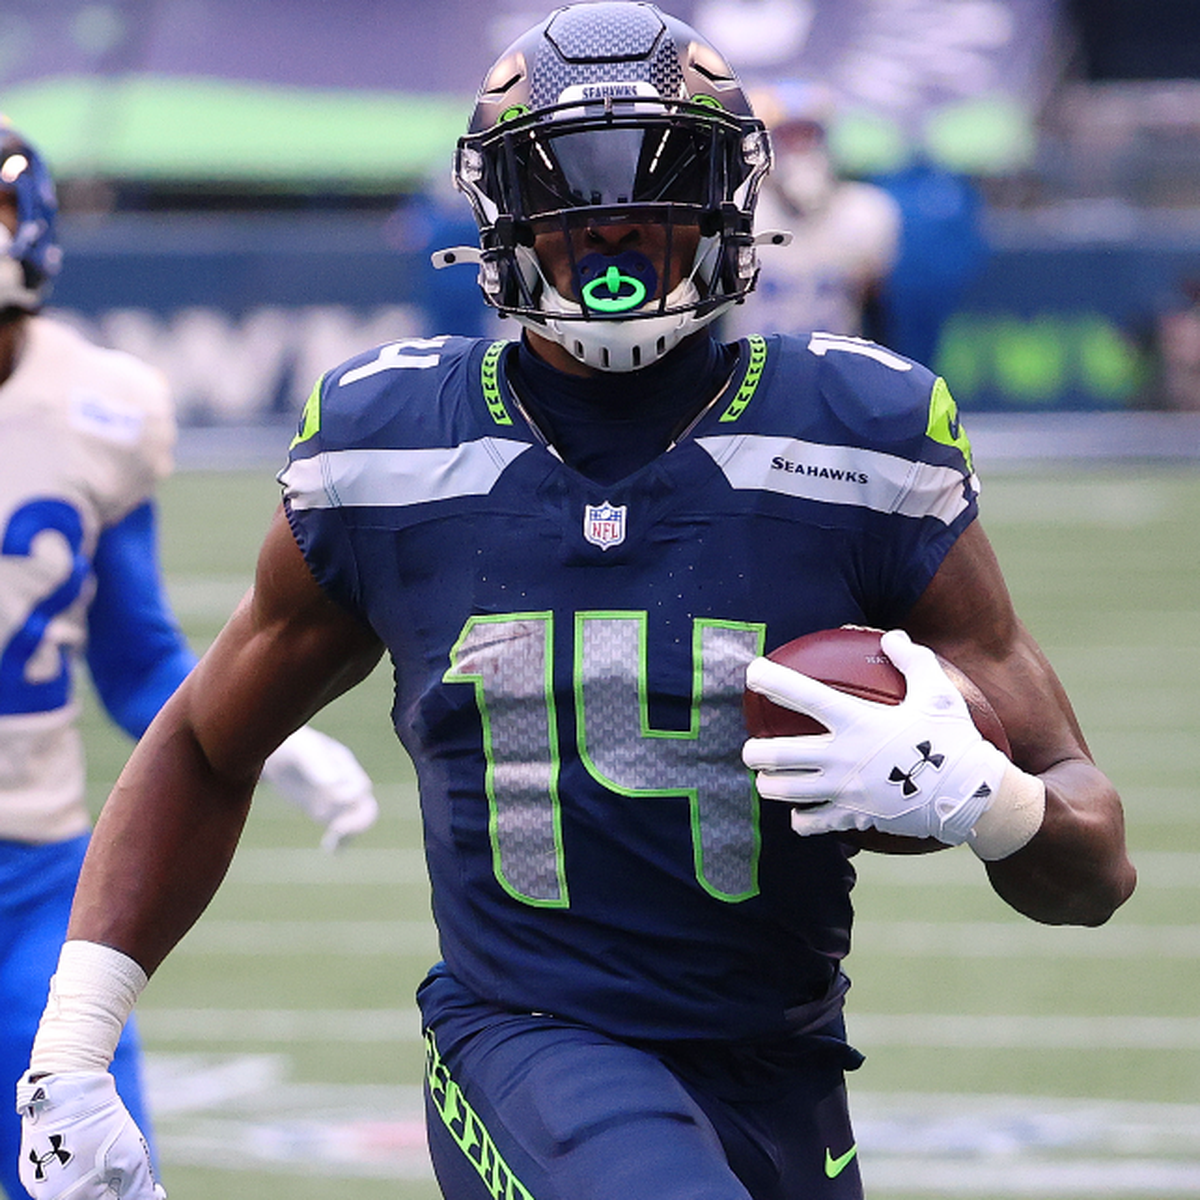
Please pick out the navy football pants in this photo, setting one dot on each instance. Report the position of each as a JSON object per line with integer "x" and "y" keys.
{"x": 523, "y": 1107}
{"x": 37, "y": 884}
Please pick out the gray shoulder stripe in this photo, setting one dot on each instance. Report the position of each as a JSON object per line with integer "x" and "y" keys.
{"x": 397, "y": 478}
{"x": 839, "y": 475}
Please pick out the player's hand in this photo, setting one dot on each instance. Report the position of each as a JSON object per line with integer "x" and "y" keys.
{"x": 321, "y": 776}
{"x": 919, "y": 768}
{"x": 78, "y": 1141}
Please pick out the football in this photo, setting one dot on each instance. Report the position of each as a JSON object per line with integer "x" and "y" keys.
{"x": 851, "y": 660}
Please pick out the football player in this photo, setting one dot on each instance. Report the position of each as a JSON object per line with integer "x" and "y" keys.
{"x": 845, "y": 232}
{"x": 575, "y": 547}
{"x": 85, "y": 436}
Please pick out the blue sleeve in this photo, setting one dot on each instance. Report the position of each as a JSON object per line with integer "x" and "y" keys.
{"x": 136, "y": 652}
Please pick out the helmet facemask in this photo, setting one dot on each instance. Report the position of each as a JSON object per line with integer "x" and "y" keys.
{"x": 568, "y": 175}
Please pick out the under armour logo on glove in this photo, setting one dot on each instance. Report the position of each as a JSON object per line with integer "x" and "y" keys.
{"x": 862, "y": 775}
{"x": 907, "y": 778}
{"x": 108, "y": 1156}
{"x": 58, "y": 1152}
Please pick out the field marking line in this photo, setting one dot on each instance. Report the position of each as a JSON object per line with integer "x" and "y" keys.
{"x": 947, "y": 1030}
{"x": 904, "y": 939}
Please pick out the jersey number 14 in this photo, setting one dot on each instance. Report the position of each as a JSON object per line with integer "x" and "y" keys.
{"x": 509, "y": 660}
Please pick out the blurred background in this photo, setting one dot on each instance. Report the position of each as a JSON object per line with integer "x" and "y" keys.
{"x": 250, "y": 191}
{"x": 249, "y": 194}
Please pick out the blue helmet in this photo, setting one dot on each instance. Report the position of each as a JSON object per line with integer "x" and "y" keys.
{"x": 606, "y": 112}
{"x": 30, "y": 257}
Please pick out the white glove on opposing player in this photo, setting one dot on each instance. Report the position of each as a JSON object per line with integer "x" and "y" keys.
{"x": 919, "y": 768}
{"x": 78, "y": 1141}
{"x": 321, "y": 776}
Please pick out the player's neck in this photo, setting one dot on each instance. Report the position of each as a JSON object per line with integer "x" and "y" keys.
{"x": 13, "y": 330}
{"x": 607, "y": 426}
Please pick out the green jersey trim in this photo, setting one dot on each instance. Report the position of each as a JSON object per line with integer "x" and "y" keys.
{"x": 489, "y": 378}
{"x": 310, "y": 421}
{"x": 944, "y": 426}
{"x": 750, "y": 381}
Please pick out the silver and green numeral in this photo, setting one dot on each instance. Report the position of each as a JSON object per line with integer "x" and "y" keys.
{"x": 703, "y": 762}
{"x": 509, "y": 661}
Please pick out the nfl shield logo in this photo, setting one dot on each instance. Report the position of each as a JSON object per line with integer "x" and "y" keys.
{"x": 604, "y": 524}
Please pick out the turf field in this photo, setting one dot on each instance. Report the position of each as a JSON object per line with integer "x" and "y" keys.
{"x": 1004, "y": 1058}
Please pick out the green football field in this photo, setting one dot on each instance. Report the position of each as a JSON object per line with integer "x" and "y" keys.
{"x": 1004, "y": 1058}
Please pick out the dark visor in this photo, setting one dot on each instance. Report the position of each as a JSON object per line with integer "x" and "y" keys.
{"x": 604, "y": 162}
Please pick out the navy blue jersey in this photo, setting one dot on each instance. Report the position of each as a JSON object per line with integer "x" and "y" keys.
{"x": 570, "y": 658}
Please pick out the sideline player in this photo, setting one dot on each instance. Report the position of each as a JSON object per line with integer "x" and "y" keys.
{"x": 85, "y": 436}
{"x": 845, "y": 232}
{"x": 574, "y": 548}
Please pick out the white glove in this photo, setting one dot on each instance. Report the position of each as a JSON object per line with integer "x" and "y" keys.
{"x": 919, "y": 768}
{"x": 78, "y": 1141}
{"x": 322, "y": 777}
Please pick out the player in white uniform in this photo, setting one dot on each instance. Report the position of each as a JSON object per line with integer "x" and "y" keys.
{"x": 86, "y": 434}
{"x": 845, "y": 233}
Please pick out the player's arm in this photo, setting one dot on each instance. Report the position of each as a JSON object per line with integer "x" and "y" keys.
{"x": 165, "y": 837}
{"x": 136, "y": 652}
{"x": 1074, "y": 869}
{"x": 1046, "y": 821}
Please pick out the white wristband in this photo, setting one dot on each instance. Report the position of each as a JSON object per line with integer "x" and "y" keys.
{"x": 91, "y": 996}
{"x": 1012, "y": 818}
